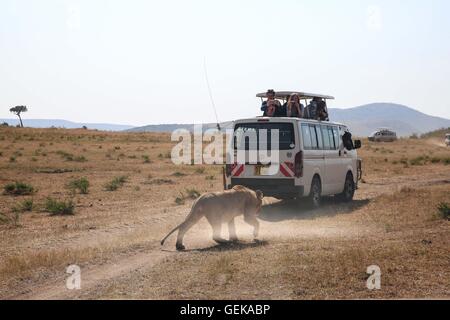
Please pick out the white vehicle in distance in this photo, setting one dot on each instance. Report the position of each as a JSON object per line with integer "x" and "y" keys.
{"x": 383, "y": 135}
{"x": 313, "y": 161}
{"x": 447, "y": 139}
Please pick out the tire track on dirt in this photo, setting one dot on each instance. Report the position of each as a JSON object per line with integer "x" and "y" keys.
{"x": 96, "y": 276}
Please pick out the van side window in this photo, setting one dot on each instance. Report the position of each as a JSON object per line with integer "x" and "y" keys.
{"x": 326, "y": 138}
{"x": 306, "y": 136}
{"x": 314, "y": 142}
{"x": 331, "y": 135}
{"x": 336, "y": 138}
{"x": 319, "y": 136}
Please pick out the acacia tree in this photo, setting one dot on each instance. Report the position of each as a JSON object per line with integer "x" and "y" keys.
{"x": 17, "y": 110}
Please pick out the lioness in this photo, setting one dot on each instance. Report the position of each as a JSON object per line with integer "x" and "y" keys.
{"x": 220, "y": 207}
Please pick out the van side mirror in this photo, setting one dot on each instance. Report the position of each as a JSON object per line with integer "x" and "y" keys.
{"x": 357, "y": 144}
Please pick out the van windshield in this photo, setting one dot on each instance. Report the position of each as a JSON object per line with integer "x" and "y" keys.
{"x": 251, "y": 136}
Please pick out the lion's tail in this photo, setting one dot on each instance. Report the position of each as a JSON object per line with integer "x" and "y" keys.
{"x": 168, "y": 235}
{"x": 178, "y": 227}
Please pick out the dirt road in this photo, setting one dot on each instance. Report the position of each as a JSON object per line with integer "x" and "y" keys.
{"x": 279, "y": 220}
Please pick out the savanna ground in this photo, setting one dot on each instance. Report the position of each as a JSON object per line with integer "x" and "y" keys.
{"x": 113, "y": 231}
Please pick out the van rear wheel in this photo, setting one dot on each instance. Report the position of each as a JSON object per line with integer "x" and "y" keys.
{"x": 315, "y": 195}
{"x": 349, "y": 189}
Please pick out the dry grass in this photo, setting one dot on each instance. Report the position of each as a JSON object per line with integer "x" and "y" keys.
{"x": 395, "y": 222}
{"x": 413, "y": 257}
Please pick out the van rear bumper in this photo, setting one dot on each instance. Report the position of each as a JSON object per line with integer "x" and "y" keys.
{"x": 278, "y": 188}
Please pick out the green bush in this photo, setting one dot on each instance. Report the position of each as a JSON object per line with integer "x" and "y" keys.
{"x": 115, "y": 183}
{"x": 24, "y": 206}
{"x": 82, "y": 185}
{"x": 18, "y": 189}
{"x": 56, "y": 207}
{"x": 444, "y": 210}
{"x": 146, "y": 159}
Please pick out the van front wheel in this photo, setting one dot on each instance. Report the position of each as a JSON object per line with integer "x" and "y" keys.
{"x": 349, "y": 189}
{"x": 315, "y": 194}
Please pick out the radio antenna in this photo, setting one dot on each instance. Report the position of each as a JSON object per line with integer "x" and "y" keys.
{"x": 210, "y": 94}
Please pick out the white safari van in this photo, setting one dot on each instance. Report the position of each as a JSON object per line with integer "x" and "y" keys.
{"x": 312, "y": 162}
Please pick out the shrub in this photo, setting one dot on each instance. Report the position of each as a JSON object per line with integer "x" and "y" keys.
{"x": 161, "y": 181}
{"x": 70, "y": 157}
{"x": 192, "y": 194}
{"x": 146, "y": 159}
{"x": 444, "y": 210}
{"x": 178, "y": 174}
{"x": 18, "y": 189}
{"x": 3, "y": 218}
{"x": 14, "y": 220}
{"x": 200, "y": 170}
{"x": 56, "y": 207}
{"x": 80, "y": 159}
{"x": 435, "y": 160}
{"x": 115, "y": 183}
{"x": 26, "y": 205}
{"x": 82, "y": 185}
{"x": 180, "y": 200}
{"x": 419, "y": 161}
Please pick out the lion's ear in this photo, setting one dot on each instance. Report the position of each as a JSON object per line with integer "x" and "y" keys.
{"x": 259, "y": 194}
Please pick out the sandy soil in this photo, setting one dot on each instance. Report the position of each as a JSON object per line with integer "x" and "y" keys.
{"x": 114, "y": 236}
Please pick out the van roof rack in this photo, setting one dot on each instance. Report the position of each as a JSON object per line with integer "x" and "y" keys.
{"x": 303, "y": 95}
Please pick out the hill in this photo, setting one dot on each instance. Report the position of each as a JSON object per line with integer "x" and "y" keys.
{"x": 405, "y": 121}
{"x": 47, "y": 123}
{"x": 362, "y": 120}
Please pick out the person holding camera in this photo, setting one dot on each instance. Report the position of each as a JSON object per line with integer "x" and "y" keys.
{"x": 294, "y": 109}
{"x": 271, "y": 107}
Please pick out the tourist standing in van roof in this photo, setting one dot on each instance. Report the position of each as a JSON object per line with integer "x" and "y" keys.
{"x": 317, "y": 110}
{"x": 294, "y": 109}
{"x": 271, "y": 107}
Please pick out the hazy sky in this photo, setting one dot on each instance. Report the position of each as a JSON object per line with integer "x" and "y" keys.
{"x": 141, "y": 62}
